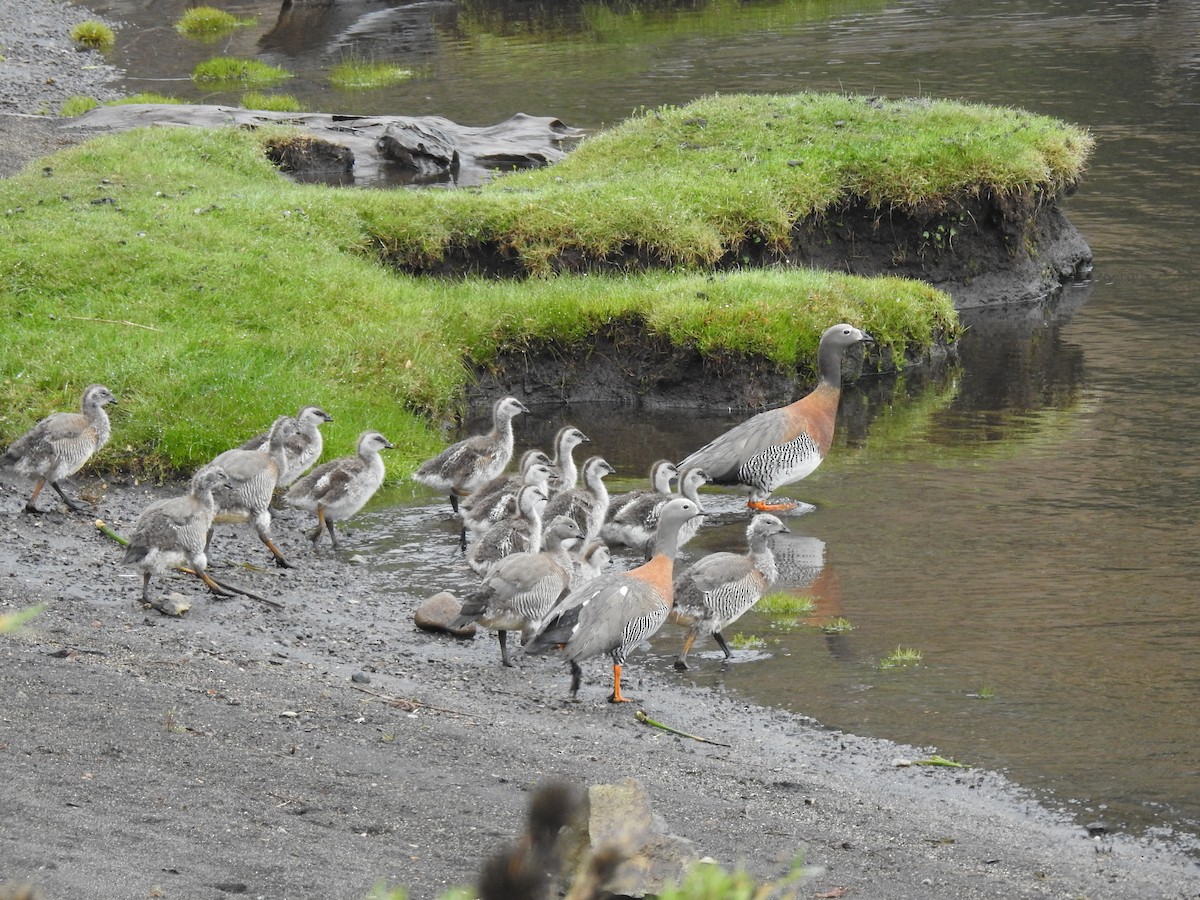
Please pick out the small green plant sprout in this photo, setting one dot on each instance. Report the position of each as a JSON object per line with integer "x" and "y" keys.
{"x": 706, "y": 879}
{"x": 144, "y": 97}
{"x": 900, "y": 658}
{"x": 838, "y": 626}
{"x": 77, "y": 105}
{"x": 360, "y": 74}
{"x": 781, "y": 603}
{"x": 741, "y": 641}
{"x": 93, "y": 35}
{"x": 936, "y": 760}
{"x": 208, "y": 22}
{"x": 284, "y": 103}
{"x": 10, "y": 622}
{"x": 984, "y": 693}
{"x": 225, "y": 71}
{"x": 172, "y": 723}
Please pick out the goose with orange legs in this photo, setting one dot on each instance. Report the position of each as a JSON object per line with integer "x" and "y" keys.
{"x": 615, "y": 612}
{"x": 785, "y": 444}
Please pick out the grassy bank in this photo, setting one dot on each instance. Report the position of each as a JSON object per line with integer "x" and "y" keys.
{"x": 694, "y": 185}
{"x": 210, "y": 294}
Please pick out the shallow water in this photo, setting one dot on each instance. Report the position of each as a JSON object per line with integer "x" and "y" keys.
{"x": 1027, "y": 521}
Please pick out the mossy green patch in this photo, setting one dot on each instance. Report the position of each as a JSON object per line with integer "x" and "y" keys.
{"x": 226, "y": 71}
{"x": 211, "y": 294}
{"x": 93, "y": 35}
{"x": 209, "y": 22}
{"x": 687, "y": 186}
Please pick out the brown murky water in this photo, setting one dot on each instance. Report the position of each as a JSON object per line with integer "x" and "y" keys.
{"x": 1029, "y": 521}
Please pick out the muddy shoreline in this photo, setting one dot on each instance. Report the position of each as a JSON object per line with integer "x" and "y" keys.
{"x": 229, "y": 752}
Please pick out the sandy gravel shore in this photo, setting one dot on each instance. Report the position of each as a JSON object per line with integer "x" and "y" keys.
{"x": 230, "y": 753}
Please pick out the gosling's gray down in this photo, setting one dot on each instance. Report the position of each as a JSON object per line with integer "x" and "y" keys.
{"x": 338, "y": 489}
{"x": 253, "y": 475}
{"x": 522, "y": 588}
{"x": 718, "y": 589}
{"x": 174, "y": 532}
{"x": 302, "y": 449}
{"x": 465, "y": 466}
{"x": 59, "y": 445}
{"x": 519, "y": 533}
{"x": 588, "y": 504}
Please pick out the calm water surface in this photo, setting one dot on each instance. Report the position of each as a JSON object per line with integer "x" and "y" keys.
{"x": 1028, "y": 521}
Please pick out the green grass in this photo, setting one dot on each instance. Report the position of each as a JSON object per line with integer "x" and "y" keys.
{"x": 93, "y": 35}
{"x": 689, "y": 186}
{"x": 211, "y": 294}
{"x": 226, "y": 71}
{"x": 362, "y": 74}
{"x": 900, "y": 658}
{"x": 838, "y": 626}
{"x": 11, "y": 622}
{"x": 272, "y": 102}
{"x": 209, "y": 22}
{"x": 144, "y": 97}
{"x": 703, "y": 880}
{"x": 741, "y": 641}
{"x": 77, "y": 105}
{"x": 781, "y": 603}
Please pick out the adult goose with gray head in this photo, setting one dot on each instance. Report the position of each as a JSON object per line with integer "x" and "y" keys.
{"x": 718, "y": 589}
{"x": 783, "y": 445}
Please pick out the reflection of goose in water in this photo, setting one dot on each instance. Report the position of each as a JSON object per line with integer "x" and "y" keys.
{"x": 803, "y": 569}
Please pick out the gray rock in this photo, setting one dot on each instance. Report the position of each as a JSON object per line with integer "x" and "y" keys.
{"x": 620, "y": 817}
{"x": 436, "y": 614}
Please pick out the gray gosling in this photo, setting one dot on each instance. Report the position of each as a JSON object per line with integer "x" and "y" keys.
{"x": 302, "y": 449}
{"x": 519, "y": 533}
{"x": 522, "y": 588}
{"x": 253, "y": 475}
{"x": 492, "y": 502}
{"x": 718, "y": 589}
{"x": 174, "y": 532}
{"x": 566, "y": 473}
{"x": 59, "y": 445}
{"x": 336, "y": 490}
{"x": 469, "y": 464}
{"x": 587, "y": 505}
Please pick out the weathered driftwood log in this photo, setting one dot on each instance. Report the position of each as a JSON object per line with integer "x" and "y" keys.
{"x": 367, "y": 150}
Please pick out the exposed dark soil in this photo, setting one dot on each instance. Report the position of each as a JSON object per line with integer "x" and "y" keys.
{"x": 625, "y": 363}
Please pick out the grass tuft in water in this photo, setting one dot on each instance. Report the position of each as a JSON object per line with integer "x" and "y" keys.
{"x": 900, "y": 658}
{"x": 741, "y": 641}
{"x": 93, "y": 35}
{"x": 285, "y": 103}
{"x": 226, "y": 70}
{"x": 781, "y": 603}
{"x": 145, "y": 97}
{"x": 363, "y": 74}
{"x": 77, "y": 105}
{"x": 208, "y": 22}
{"x": 838, "y": 626}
